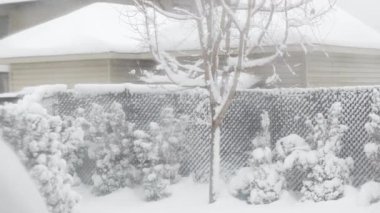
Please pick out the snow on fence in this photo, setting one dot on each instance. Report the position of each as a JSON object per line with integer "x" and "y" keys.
{"x": 288, "y": 109}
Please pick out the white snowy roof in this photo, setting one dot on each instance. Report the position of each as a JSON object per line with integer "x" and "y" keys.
{"x": 365, "y": 10}
{"x": 111, "y": 28}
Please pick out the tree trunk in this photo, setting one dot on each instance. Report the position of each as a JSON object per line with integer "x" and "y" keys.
{"x": 214, "y": 162}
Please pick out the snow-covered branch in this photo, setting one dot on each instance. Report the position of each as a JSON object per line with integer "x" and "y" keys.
{"x": 232, "y": 15}
{"x": 252, "y": 63}
{"x": 287, "y": 7}
{"x": 181, "y": 15}
{"x": 183, "y": 78}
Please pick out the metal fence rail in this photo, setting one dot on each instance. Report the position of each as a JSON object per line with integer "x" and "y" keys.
{"x": 288, "y": 109}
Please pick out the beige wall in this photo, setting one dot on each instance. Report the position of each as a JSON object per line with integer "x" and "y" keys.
{"x": 291, "y": 70}
{"x": 4, "y": 81}
{"x": 342, "y": 69}
{"x": 123, "y": 70}
{"x": 313, "y": 70}
{"x": 76, "y": 72}
{"x": 64, "y": 72}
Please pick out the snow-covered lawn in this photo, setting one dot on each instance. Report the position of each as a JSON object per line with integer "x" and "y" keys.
{"x": 190, "y": 197}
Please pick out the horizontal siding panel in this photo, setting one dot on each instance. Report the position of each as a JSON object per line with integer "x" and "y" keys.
{"x": 343, "y": 57}
{"x": 348, "y": 64}
{"x": 68, "y": 72}
{"x": 336, "y": 79}
{"x": 121, "y": 69}
{"x": 343, "y": 70}
{"x": 288, "y": 78}
{"x": 62, "y": 64}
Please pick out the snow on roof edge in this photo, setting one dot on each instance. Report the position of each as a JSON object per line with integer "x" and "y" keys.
{"x": 147, "y": 56}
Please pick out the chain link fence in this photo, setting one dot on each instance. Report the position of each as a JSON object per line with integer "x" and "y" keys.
{"x": 288, "y": 110}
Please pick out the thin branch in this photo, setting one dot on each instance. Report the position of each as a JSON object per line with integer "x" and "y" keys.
{"x": 263, "y": 32}
{"x": 231, "y": 14}
{"x": 257, "y": 62}
{"x": 184, "y": 15}
{"x": 228, "y": 97}
{"x": 288, "y": 7}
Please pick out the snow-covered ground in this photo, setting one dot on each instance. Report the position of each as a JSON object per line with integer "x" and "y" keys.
{"x": 18, "y": 193}
{"x": 190, "y": 197}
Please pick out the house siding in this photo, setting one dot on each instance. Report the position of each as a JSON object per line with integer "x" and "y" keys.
{"x": 4, "y": 82}
{"x": 314, "y": 69}
{"x": 290, "y": 69}
{"x": 123, "y": 70}
{"x": 342, "y": 69}
{"x": 64, "y": 72}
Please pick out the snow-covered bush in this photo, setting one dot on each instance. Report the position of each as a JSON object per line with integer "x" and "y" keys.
{"x": 36, "y": 138}
{"x": 110, "y": 142}
{"x": 159, "y": 153}
{"x": 169, "y": 133}
{"x": 75, "y": 148}
{"x": 296, "y": 157}
{"x": 294, "y": 152}
{"x": 326, "y": 179}
{"x": 150, "y": 166}
{"x": 154, "y": 183}
{"x": 372, "y": 149}
{"x": 318, "y": 157}
{"x": 369, "y": 193}
{"x": 261, "y": 182}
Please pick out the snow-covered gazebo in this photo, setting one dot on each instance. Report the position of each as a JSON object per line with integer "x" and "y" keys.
{"x": 100, "y": 44}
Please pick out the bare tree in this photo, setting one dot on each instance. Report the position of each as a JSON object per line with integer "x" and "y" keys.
{"x": 235, "y": 31}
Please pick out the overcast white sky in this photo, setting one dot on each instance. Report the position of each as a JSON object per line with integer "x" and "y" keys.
{"x": 366, "y": 10}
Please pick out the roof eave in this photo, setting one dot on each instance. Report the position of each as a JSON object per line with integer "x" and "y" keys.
{"x": 74, "y": 57}
{"x": 148, "y": 56}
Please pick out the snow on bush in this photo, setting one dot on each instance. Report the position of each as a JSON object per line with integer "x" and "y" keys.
{"x": 372, "y": 149}
{"x": 154, "y": 183}
{"x": 326, "y": 173}
{"x": 160, "y": 153}
{"x": 327, "y": 178}
{"x": 294, "y": 152}
{"x": 75, "y": 148}
{"x": 36, "y": 137}
{"x": 169, "y": 133}
{"x": 152, "y": 172}
{"x": 369, "y": 193}
{"x": 261, "y": 182}
{"x": 109, "y": 138}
